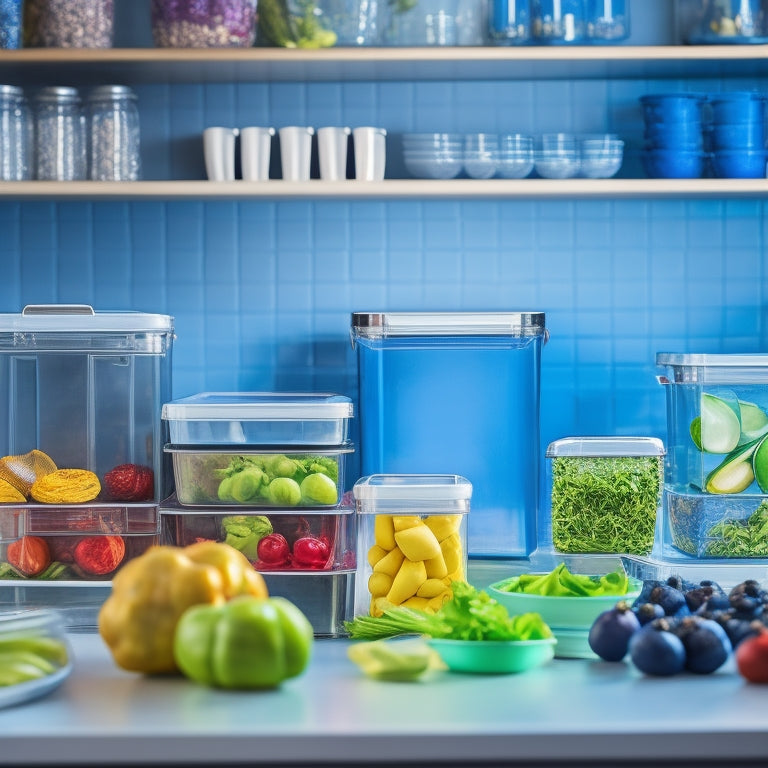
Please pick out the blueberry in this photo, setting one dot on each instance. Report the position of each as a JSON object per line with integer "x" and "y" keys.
{"x": 655, "y": 650}
{"x": 648, "y": 612}
{"x": 611, "y": 631}
{"x": 679, "y": 583}
{"x": 706, "y": 644}
{"x": 748, "y": 598}
{"x": 645, "y": 591}
{"x": 716, "y": 602}
{"x": 671, "y": 599}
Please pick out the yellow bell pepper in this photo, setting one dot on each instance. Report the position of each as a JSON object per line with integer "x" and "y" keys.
{"x": 149, "y": 594}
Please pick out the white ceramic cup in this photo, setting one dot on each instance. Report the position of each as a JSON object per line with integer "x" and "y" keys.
{"x": 332, "y": 144}
{"x": 255, "y": 152}
{"x": 219, "y": 153}
{"x": 370, "y": 153}
{"x": 296, "y": 151}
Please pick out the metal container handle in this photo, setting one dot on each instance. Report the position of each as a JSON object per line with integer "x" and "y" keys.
{"x": 57, "y": 309}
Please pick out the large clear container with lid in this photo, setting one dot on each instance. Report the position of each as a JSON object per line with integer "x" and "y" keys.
{"x": 457, "y": 392}
{"x": 69, "y": 23}
{"x": 15, "y": 134}
{"x": 558, "y": 21}
{"x": 412, "y": 540}
{"x": 603, "y": 493}
{"x": 59, "y": 134}
{"x": 716, "y": 484}
{"x": 706, "y": 22}
{"x": 113, "y": 134}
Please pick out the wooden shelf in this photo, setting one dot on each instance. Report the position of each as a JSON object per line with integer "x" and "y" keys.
{"x": 390, "y": 189}
{"x": 136, "y": 65}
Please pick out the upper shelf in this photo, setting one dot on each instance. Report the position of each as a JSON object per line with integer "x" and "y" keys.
{"x": 190, "y": 65}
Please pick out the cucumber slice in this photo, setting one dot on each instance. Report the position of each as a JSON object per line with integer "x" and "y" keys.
{"x": 760, "y": 464}
{"x": 754, "y": 421}
{"x": 720, "y": 424}
{"x": 735, "y": 473}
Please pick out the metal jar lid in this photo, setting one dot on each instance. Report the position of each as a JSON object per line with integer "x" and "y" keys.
{"x": 58, "y": 93}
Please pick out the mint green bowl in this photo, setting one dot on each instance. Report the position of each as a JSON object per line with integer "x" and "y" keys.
{"x": 493, "y": 657}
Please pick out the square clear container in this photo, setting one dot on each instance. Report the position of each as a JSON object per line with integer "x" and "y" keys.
{"x": 307, "y": 556}
{"x": 86, "y": 388}
{"x": 704, "y": 22}
{"x": 412, "y": 540}
{"x": 458, "y": 393}
{"x": 313, "y": 477}
{"x": 259, "y": 418}
{"x": 604, "y": 493}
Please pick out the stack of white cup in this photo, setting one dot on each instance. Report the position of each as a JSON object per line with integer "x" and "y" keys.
{"x": 369, "y": 144}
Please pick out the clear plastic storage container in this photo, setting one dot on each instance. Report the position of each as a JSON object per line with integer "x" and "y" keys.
{"x": 716, "y": 486}
{"x": 412, "y": 540}
{"x": 457, "y": 393}
{"x": 69, "y": 23}
{"x": 710, "y": 22}
{"x": 604, "y": 493}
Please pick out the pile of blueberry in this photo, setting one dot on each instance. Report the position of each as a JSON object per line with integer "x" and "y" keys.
{"x": 677, "y": 625}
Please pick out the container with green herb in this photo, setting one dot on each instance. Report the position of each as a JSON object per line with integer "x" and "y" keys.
{"x": 604, "y": 493}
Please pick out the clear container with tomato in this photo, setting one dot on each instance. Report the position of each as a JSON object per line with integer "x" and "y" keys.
{"x": 412, "y": 540}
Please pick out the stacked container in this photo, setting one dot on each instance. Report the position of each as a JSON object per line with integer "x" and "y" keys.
{"x": 716, "y": 474}
{"x": 83, "y": 468}
{"x": 265, "y": 472}
{"x": 737, "y": 134}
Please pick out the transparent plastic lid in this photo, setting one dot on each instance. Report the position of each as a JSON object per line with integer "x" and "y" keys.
{"x": 258, "y": 406}
{"x": 713, "y": 369}
{"x": 32, "y": 620}
{"x": 81, "y": 318}
{"x": 433, "y": 492}
{"x": 385, "y": 324}
{"x": 606, "y": 446}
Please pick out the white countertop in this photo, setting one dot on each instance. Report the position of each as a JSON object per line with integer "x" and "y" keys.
{"x": 566, "y": 711}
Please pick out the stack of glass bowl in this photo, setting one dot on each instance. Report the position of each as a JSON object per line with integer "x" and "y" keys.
{"x": 433, "y": 155}
{"x": 265, "y": 472}
{"x": 673, "y": 147}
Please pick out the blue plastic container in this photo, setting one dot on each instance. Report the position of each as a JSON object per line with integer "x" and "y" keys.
{"x": 684, "y": 135}
{"x": 737, "y": 135}
{"x": 672, "y": 163}
{"x": 672, "y": 107}
{"x": 737, "y": 107}
{"x": 739, "y": 163}
{"x": 457, "y": 393}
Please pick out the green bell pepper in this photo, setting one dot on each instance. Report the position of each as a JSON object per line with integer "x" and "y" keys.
{"x": 248, "y": 642}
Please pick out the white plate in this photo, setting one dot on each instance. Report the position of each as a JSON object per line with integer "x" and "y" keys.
{"x": 33, "y": 689}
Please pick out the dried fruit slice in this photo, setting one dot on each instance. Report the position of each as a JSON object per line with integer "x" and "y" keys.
{"x": 66, "y": 486}
{"x": 22, "y": 471}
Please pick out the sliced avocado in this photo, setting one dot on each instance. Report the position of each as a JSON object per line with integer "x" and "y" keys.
{"x": 720, "y": 424}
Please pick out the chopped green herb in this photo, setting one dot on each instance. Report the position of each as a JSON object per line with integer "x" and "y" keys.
{"x": 740, "y": 538}
{"x": 605, "y": 503}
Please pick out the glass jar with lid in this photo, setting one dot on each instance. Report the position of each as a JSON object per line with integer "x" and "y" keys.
{"x": 113, "y": 134}
{"x": 607, "y": 21}
{"x": 558, "y": 21}
{"x": 69, "y": 23}
{"x": 704, "y": 22}
{"x": 203, "y": 23}
{"x": 59, "y": 134}
{"x": 15, "y": 134}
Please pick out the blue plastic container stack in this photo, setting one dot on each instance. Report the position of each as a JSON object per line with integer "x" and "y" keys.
{"x": 737, "y": 135}
{"x": 674, "y": 135}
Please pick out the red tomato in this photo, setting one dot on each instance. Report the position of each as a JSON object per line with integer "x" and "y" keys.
{"x": 752, "y": 657}
{"x": 273, "y": 551}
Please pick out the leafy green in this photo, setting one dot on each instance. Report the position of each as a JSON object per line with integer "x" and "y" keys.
{"x": 394, "y": 661}
{"x": 561, "y": 582}
{"x": 605, "y": 503}
{"x": 471, "y": 614}
{"x": 244, "y": 532}
{"x": 740, "y": 538}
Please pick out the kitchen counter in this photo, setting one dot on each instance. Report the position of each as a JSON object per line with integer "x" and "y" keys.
{"x": 568, "y": 712}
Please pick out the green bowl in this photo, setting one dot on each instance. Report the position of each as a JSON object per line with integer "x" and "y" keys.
{"x": 493, "y": 657}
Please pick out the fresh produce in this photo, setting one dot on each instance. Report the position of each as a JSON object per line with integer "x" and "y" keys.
{"x": 293, "y": 24}
{"x": 657, "y": 651}
{"x": 248, "y": 642}
{"x": 738, "y": 537}
{"x": 25, "y": 657}
{"x": 244, "y": 532}
{"x": 561, "y": 582}
{"x": 611, "y": 631}
{"x": 273, "y": 551}
{"x": 22, "y": 471}
{"x": 278, "y": 479}
{"x": 415, "y": 561}
{"x": 9, "y": 492}
{"x": 395, "y": 661}
{"x": 66, "y": 486}
{"x": 99, "y": 555}
{"x": 151, "y": 592}
{"x": 310, "y": 552}
{"x": 752, "y": 657}
{"x": 469, "y": 614}
{"x": 129, "y": 482}
{"x": 605, "y": 503}
{"x": 30, "y": 555}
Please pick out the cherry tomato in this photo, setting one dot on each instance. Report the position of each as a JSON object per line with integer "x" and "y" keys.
{"x": 752, "y": 657}
{"x": 310, "y": 552}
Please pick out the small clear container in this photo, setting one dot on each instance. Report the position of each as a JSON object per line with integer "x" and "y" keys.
{"x": 412, "y": 540}
{"x": 509, "y": 22}
{"x": 69, "y": 23}
{"x": 607, "y": 21}
{"x": 259, "y": 418}
{"x": 558, "y": 21}
{"x": 203, "y": 23}
{"x": 15, "y": 135}
{"x": 604, "y": 493}
{"x": 703, "y": 22}
{"x": 60, "y": 153}
{"x": 113, "y": 134}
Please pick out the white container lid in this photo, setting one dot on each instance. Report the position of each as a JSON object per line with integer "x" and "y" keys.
{"x": 434, "y": 494}
{"x": 607, "y": 447}
{"x": 258, "y": 406}
{"x": 81, "y": 318}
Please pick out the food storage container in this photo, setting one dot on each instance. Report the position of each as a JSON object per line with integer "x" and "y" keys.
{"x": 558, "y": 21}
{"x": 705, "y": 22}
{"x": 35, "y": 654}
{"x": 59, "y": 143}
{"x": 604, "y": 493}
{"x": 457, "y": 393}
{"x": 10, "y": 23}
{"x": 112, "y": 124}
{"x": 69, "y": 23}
{"x": 509, "y": 22}
{"x": 307, "y": 556}
{"x": 607, "y": 21}
{"x": 310, "y": 477}
{"x": 716, "y": 479}
{"x": 203, "y": 23}
{"x": 412, "y": 539}
{"x": 15, "y": 135}
{"x": 259, "y": 418}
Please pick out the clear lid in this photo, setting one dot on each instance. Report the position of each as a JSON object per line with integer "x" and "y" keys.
{"x": 606, "y": 446}
{"x": 431, "y": 494}
{"x": 384, "y": 324}
{"x": 258, "y": 406}
{"x": 11, "y": 91}
{"x": 751, "y": 368}
{"x": 37, "y": 621}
